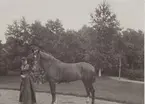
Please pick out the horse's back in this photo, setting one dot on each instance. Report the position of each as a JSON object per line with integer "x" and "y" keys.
{"x": 76, "y": 66}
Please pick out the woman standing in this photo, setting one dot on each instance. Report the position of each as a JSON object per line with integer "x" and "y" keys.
{"x": 27, "y": 93}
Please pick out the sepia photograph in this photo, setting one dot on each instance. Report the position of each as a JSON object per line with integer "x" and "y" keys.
{"x": 72, "y": 51}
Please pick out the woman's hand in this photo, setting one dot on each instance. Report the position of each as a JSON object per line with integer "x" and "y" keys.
{"x": 23, "y": 76}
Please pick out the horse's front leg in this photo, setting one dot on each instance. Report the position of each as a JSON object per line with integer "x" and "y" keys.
{"x": 53, "y": 92}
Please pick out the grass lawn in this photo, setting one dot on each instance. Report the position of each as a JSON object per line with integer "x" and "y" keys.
{"x": 106, "y": 88}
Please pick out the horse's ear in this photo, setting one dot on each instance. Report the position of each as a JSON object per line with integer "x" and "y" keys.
{"x": 32, "y": 50}
{"x": 37, "y": 51}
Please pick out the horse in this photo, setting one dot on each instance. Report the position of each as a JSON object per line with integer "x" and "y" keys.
{"x": 57, "y": 71}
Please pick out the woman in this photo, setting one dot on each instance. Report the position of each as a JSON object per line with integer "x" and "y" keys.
{"x": 27, "y": 93}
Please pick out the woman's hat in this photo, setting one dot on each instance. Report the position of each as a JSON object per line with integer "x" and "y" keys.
{"x": 24, "y": 58}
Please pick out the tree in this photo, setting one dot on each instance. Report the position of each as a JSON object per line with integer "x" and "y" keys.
{"x": 134, "y": 42}
{"x": 56, "y": 30}
{"x": 19, "y": 30}
{"x": 105, "y": 24}
{"x": 38, "y": 33}
{"x": 3, "y": 66}
{"x": 17, "y": 40}
{"x": 1, "y": 45}
{"x": 25, "y": 31}
{"x": 55, "y": 26}
{"x": 18, "y": 35}
{"x": 71, "y": 46}
{"x": 86, "y": 35}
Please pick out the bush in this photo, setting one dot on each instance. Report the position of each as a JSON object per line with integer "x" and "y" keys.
{"x": 137, "y": 74}
{"x": 3, "y": 68}
{"x": 110, "y": 72}
{"x": 133, "y": 74}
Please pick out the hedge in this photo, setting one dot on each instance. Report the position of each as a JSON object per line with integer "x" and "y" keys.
{"x": 133, "y": 74}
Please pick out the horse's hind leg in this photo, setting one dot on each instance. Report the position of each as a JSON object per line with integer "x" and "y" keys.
{"x": 92, "y": 90}
{"x": 87, "y": 90}
{"x": 53, "y": 92}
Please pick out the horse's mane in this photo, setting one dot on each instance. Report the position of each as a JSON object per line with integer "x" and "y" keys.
{"x": 48, "y": 56}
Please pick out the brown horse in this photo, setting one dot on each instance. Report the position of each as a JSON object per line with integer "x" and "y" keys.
{"x": 57, "y": 71}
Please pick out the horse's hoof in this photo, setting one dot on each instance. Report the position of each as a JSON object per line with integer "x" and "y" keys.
{"x": 55, "y": 102}
{"x": 87, "y": 101}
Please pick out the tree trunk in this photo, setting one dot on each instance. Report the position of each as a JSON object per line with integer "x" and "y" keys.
{"x": 100, "y": 74}
{"x": 120, "y": 67}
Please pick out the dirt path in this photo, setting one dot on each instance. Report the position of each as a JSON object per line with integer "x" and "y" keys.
{"x": 126, "y": 80}
{"x": 11, "y": 97}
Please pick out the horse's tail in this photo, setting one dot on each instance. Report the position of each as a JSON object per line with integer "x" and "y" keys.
{"x": 94, "y": 75}
{"x": 93, "y": 79}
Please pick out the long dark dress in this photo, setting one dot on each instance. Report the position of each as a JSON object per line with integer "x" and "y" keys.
{"x": 27, "y": 91}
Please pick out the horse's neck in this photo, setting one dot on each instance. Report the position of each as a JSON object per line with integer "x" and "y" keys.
{"x": 50, "y": 60}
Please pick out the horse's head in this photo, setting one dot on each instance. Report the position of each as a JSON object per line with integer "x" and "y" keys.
{"x": 33, "y": 59}
{"x": 40, "y": 57}
{"x": 36, "y": 55}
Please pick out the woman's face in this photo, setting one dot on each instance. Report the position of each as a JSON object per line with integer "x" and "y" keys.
{"x": 24, "y": 61}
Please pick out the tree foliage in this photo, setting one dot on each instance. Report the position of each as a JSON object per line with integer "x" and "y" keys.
{"x": 106, "y": 26}
{"x": 101, "y": 44}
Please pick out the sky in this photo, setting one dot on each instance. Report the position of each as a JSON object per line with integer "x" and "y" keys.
{"x": 72, "y": 13}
